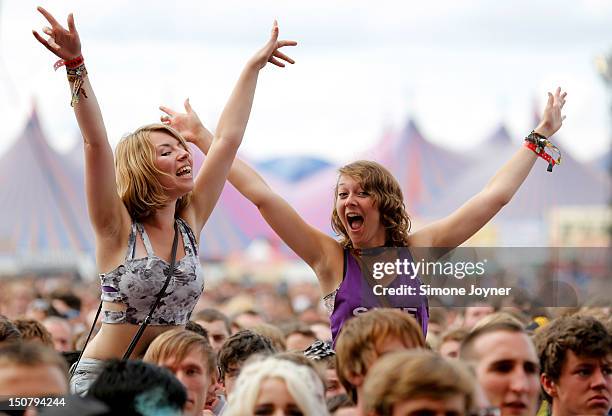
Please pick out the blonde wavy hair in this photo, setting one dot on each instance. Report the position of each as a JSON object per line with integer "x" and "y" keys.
{"x": 137, "y": 176}
{"x": 388, "y": 198}
{"x": 302, "y": 383}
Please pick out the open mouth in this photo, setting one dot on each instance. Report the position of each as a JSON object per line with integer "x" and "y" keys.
{"x": 355, "y": 221}
{"x": 516, "y": 405}
{"x": 184, "y": 171}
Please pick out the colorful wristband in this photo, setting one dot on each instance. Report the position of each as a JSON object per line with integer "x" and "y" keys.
{"x": 541, "y": 153}
{"x": 73, "y": 63}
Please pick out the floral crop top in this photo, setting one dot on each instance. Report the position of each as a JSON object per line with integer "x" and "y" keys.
{"x": 137, "y": 282}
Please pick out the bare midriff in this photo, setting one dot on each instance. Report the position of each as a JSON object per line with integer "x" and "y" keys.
{"x": 113, "y": 339}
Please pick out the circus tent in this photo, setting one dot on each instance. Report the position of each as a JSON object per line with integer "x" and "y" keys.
{"x": 42, "y": 200}
{"x": 423, "y": 169}
{"x": 570, "y": 184}
{"x": 47, "y": 210}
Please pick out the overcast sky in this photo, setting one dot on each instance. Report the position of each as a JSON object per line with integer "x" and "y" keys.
{"x": 458, "y": 68}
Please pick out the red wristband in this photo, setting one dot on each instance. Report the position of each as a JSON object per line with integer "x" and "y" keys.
{"x": 551, "y": 162}
{"x": 73, "y": 63}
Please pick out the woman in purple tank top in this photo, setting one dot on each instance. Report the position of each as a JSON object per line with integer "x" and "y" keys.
{"x": 369, "y": 213}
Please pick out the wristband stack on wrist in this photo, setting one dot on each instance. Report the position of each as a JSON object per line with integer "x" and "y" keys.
{"x": 75, "y": 69}
{"x": 538, "y": 143}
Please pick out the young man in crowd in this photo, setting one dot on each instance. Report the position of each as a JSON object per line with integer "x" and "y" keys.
{"x": 61, "y": 333}
{"x": 450, "y": 342}
{"x": 505, "y": 362}
{"x": 298, "y": 336}
{"x": 191, "y": 359}
{"x": 30, "y": 369}
{"x": 8, "y": 331}
{"x": 417, "y": 382}
{"x": 368, "y": 336}
{"x": 576, "y": 359}
{"x": 216, "y": 324}
{"x": 235, "y": 351}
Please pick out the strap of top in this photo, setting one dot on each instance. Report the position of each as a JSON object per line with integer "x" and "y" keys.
{"x": 137, "y": 228}
{"x": 131, "y": 247}
{"x": 145, "y": 239}
{"x": 185, "y": 235}
{"x": 188, "y": 236}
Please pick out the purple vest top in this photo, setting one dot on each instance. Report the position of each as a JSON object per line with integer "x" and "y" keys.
{"x": 355, "y": 295}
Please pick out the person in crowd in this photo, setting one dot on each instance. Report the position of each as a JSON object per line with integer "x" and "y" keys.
{"x": 216, "y": 324}
{"x": 298, "y": 336}
{"x": 322, "y": 353}
{"x": 450, "y": 342}
{"x": 505, "y": 363}
{"x": 191, "y": 359}
{"x": 321, "y": 330}
{"x": 61, "y": 333}
{"x": 369, "y": 213}
{"x": 29, "y": 369}
{"x": 273, "y": 333}
{"x": 418, "y": 383}
{"x": 276, "y": 386}
{"x": 297, "y": 357}
{"x": 475, "y": 312}
{"x": 148, "y": 197}
{"x": 197, "y": 328}
{"x": 136, "y": 388}
{"x": 32, "y": 330}
{"x": 438, "y": 320}
{"x": 248, "y": 319}
{"x": 66, "y": 302}
{"x": 576, "y": 366}
{"x": 369, "y": 336}
{"x": 235, "y": 351}
{"x": 8, "y": 331}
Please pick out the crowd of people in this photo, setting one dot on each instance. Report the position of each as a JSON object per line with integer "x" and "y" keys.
{"x": 269, "y": 351}
{"x": 165, "y": 346}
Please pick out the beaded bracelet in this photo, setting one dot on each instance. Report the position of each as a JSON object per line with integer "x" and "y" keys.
{"x": 75, "y": 75}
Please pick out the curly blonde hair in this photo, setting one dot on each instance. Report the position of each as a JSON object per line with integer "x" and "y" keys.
{"x": 388, "y": 198}
{"x": 137, "y": 176}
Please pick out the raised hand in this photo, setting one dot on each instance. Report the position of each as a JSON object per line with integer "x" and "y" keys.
{"x": 64, "y": 43}
{"x": 552, "y": 118}
{"x": 270, "y": 52}
{"x": 188, "y": 124}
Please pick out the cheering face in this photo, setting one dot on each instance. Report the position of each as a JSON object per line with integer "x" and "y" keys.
{"x": 508, "y": 371}
{"x": 275, "y": 399}
{"x": 584, "y": 386}
{"x": 358, "y": 213}
{"x": 174, "y": 161}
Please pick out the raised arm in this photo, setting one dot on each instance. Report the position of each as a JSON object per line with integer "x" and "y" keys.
{"x": 320, "y": 251}
{"x": 106, "y": 211}
{"x": 475, "y": 213}
{"x": 232, "y": 124}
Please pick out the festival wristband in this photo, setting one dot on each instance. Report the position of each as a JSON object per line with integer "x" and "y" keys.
{"x": 72, "y": 63}
{"x": 541, "y": 153}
